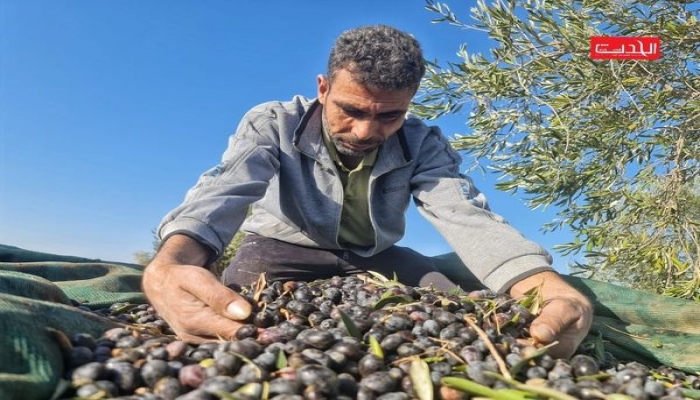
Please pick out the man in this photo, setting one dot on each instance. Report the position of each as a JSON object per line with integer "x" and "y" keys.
{"x": 329, "y": 181}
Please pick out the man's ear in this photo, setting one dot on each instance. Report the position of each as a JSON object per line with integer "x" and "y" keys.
{"x": 324, "y": 86}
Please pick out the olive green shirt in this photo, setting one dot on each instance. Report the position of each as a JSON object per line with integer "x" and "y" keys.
{"x": 355, "y": 224}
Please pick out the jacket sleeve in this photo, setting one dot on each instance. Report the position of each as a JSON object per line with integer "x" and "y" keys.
{"x": 495, "y": 252}
{"x": 214, "y": 209}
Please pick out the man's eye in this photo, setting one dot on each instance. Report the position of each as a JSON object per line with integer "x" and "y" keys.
{"x": 389, "y": 118}
{"x": 354, "y": 113}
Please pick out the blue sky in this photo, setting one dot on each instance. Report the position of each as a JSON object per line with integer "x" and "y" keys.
{"x": 110, "y": 110}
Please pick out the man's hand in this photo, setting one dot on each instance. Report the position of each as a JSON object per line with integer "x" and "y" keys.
{"x": 566, "y": 317}
{"x": 197, "y": 306}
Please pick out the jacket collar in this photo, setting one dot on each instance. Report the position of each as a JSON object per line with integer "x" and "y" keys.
{"x": 394, "y": 153}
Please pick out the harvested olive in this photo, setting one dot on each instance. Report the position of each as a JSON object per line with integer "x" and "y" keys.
{"x": 307, "y": 341}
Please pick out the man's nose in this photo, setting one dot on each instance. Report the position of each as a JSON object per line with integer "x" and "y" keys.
{"x": 365, "y": 129}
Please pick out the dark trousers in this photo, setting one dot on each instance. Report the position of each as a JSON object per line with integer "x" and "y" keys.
{"x": 282, "y": 261}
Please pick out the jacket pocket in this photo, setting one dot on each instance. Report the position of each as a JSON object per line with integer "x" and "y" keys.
{"x": 393, "y": 198}
{"x": 392, "y": 189}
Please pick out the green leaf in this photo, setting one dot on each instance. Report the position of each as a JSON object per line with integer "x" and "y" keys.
{"x": 472, "y": 387}
{"x": 378, "y": 276}
{"x": 691, "y": 393}
{"x": 532, "y": 390}
{"x": 375, "y": 347}
{"x": 248, "y": 361}
{"x": 350, "y": 325}
{"x": 281, "y": 361}
{"x": 397, "y": 299}
{"x": 123, "y": 309}
{"x": 223, "y": 395}
{"x": 526, "y": 360}
{"x": 457, "y": 291}
{"x": 249, "y": 391}
{"x": 419, "y": 372}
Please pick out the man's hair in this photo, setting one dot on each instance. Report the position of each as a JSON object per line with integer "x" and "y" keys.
{"x": 379, "y": 56}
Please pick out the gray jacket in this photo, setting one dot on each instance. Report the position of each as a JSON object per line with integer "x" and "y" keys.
{"x": 277, "y": 162}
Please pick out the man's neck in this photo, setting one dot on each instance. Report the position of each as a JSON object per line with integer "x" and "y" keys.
{"x": 350, "y": 162}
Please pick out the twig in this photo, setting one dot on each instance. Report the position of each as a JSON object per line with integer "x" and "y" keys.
{"x": 499, "y": 360}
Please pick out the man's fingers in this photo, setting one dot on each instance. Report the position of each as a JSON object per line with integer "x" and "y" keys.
{"x": 542, "y": 332}
{"x": 197, "y": 306}
{"x": 207, "y": 326}
{"x": 220, "y": 298}
{"x": 562, "y": 320}
{"x": 566, "y": 339}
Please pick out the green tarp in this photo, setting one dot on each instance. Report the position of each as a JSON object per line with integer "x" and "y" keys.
{"x": 39, "y": 293}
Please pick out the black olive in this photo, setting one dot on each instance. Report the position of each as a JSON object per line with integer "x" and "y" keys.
{"x": 379, "y": 382}
{"x": 322, "y": 378}
{"x": 153, "y": 370}
{"x": 583, "y": 365}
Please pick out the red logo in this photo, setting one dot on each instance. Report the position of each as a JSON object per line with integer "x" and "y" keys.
{"x": 625, "y": 48}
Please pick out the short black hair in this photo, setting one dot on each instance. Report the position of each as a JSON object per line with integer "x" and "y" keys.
{"x": 379, "y": 56}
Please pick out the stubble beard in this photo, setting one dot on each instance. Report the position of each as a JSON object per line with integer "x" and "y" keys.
{"x": 340, "y": 139}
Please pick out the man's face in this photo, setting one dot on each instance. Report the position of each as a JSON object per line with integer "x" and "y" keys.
{"x": 360, "y": 118}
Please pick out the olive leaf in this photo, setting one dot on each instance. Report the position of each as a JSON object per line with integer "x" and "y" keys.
{"x": 472, "y": 387}
{"x": 260, "y": 285}
{"x": 532, "y": 300}
{"x": 533, "y": 389}
{"x": 691, "y": 393}
{"x": 265, "y": 395}
{"x": 379, "y": 277}
{"x": 526, "y": 360}
{"x": 223, "y": 395}
{"x": 457, "y": 290}
{"x": 419, "y": 372}
{"x": 375, "y": 347}
{"x": 433, "y": 359}
{"x": 350, "y": 326}
{"x": 446, "y": 302}
{"x": 388, "y": 299}
{"x": 382, "y": 281}
{"x": 123, "y": 308}
{"x": 281, "y": 361}
{"x": 248, "y": 361}
{"x": 250, "y": 390}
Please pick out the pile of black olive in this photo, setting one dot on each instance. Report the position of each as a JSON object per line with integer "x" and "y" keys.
{"x": 358, "y": 337}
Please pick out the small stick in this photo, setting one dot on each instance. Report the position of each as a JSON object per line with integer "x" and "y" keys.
{"x": 501, "y": 364}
